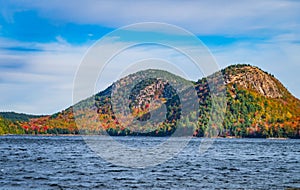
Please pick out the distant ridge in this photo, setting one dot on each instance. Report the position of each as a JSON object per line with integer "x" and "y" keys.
{"x": 13, "y": 116}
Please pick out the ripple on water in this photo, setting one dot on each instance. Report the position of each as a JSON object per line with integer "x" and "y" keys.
{"x": 68, "y": 163}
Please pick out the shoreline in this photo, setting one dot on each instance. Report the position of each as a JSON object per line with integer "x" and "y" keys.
{"x": 78, "y": 135}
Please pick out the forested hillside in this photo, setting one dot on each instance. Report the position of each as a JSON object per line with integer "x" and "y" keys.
{"x": 256, "y": 105}
{"x": 8, "y": 127}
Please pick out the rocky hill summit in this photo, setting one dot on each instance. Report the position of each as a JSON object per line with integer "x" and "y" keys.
{"x": 250, "y": 77}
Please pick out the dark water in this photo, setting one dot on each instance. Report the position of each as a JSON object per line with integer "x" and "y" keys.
{"x": 67, "y": 163}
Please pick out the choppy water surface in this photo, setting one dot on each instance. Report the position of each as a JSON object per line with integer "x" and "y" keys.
{"x": 67, "y": 163}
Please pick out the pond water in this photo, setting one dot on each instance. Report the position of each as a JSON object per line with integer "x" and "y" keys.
{"x": 67, "y": 162}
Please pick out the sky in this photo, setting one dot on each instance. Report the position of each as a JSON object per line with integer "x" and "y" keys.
{"x": 42, "y": 43}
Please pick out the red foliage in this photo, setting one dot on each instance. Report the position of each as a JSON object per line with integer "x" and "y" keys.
{"x": 26, "y": 127}
{"x": 147, "y": 106}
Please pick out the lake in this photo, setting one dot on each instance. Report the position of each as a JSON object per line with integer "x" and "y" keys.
{"x": 66, "y": 162}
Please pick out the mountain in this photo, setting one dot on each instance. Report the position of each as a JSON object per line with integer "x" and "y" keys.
{"x": 240, "y": 100}
{"x": 258, "y": 105}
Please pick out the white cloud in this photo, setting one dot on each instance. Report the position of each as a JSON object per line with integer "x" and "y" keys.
{"x": 43, "y": 83}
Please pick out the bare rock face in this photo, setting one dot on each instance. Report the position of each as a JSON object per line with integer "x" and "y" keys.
{"x": 150, "y": 93}
{"x": 255, "y": 79}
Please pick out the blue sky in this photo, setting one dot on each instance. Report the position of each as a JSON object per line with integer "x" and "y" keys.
{"x": 42, "y": 42}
